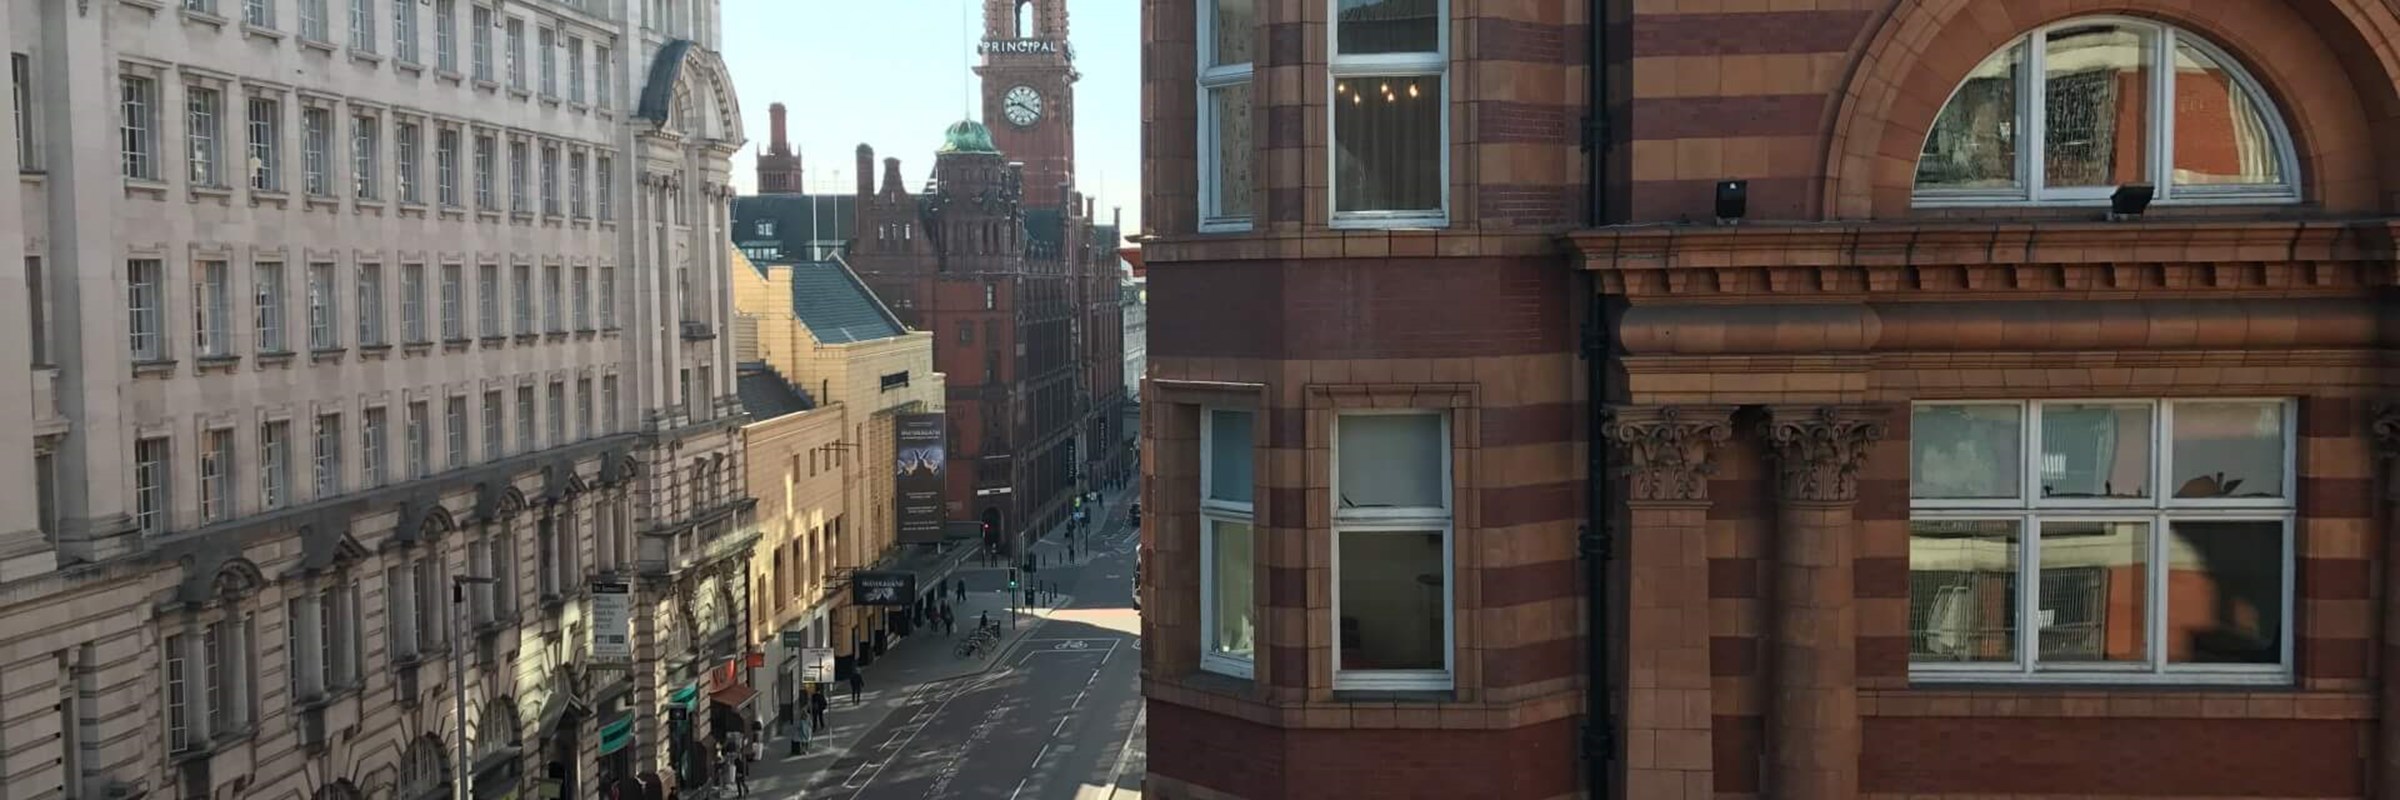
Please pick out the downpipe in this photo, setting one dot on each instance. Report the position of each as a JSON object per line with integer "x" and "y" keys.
{"x": 1598, "y": 536}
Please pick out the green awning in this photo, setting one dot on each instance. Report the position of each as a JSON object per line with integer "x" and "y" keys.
{"x": 684, "y": 696}
{"x": 616, "y": 735}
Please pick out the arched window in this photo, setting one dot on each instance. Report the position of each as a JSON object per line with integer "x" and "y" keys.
{"x": 2075, "y": 109}
{"x": 423, "y": 770}
{"x": 1026, "y": 26}
{"x": 497, "y": 731}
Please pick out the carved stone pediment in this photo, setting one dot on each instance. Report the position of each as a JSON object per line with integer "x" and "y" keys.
{"x": 1668, "y": 452}
{"x": 1818, "y": 449}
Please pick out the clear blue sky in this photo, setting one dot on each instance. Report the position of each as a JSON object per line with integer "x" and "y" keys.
{"x": 894, "y": 73}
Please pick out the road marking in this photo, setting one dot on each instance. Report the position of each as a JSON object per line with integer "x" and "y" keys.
{"x": 1125, "y": 751}
{"x": 853, "y": 782}
{"x": 1062, "y": 725}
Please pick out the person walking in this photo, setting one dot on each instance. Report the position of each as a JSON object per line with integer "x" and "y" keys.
{"x": 858, "y": 683}
{"x": 816, "y": 708}
{"x": 962, "y": 590}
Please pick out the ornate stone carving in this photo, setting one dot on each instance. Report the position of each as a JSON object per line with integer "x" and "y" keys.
{"x": 1818, "y": 450}
{"x": 1668, "y": 451}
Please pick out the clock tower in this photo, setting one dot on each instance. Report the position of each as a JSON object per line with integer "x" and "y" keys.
{"x": 1028, "y": 73}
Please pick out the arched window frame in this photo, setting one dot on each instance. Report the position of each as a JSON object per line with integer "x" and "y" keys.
{"x": 2160, "y": 135}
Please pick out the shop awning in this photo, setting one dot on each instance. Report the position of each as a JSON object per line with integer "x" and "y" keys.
{"x": 685, "y": 695}
{"x": 732, "y": 695}
{"x": 614, "y": 736}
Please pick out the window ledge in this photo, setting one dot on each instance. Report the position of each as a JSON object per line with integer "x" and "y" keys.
{"x": 1390, "y": 223}
{"x": 324, "y": 201}
{"x": 520, "y": 216}
{"x": 490, "y": 342}
{"x": 259, "y": 197}
{"x": 487, "y": 214}
{"x": 579, "y": 106}
{"x": 374, "y": 352}
{"x": 221, "y": 363}
{"x": 519, "y": 94}
{"x": 449, "y": 76}
{"x": 220, "y": 194}
{"x": 154, "y": 5}
{"x": 550, "y": 100}
{"x": 408, "y": 67}
{"x": 365, "y": 56}
{"x": 415, "y": 348}
{"x": 213, "y": 20}
{"x": 486, "y": 85}
{"x": 365, "y": 204}
{"x": 1410, "y": 696}
{"x": 456, "y": 345}
{"x": 273, "y": 358}
{"x": 2084, "y": 681}
{"x": 31, "y": 176}
{"x": 555, "y": 336}
{"x": 451, "y": 212}
{"x": 528, "y": 338}
{"x": 605, "y": 112}
{"x": 585, "y": 333}
{"x": 408, "y": 209}
{"x": 1244, "y": 670}
{"x": 319, "y": 45}
{"x": 269, "y": 34}
{"x": 1241, "y": 225}
{"x": 324, "y": 355}
{"x": 156, "y": 368}
{"x": 149, "y": 186}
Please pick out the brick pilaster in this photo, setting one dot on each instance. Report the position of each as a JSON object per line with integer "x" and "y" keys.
{"x": 1668, "y": 452}
{"x": 2384, "y": 433}
{"x": 1812, "y": 711}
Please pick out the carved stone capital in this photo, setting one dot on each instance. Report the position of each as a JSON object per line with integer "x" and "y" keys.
{"x": 1818, "y": 449}
{"x": 1668, "y": 451}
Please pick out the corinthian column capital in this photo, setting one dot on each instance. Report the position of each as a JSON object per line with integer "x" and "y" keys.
{"x": 1668, "y": 451}
{"x": 1818, "y": 449}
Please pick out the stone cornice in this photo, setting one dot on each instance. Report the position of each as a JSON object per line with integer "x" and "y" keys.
{"x": 1864, "y": 259}
{"x": 1818, "y": 449}
{"x": 1668, "y": 451}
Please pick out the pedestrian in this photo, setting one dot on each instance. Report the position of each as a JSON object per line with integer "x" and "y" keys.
{"x": 739, "y": 772}
{"x": 984, "y": 619}
{"x": 816, "y": 708}
{"x": 962, "y": 590}
{"x": 857, "y": 683}
{"x": 799, "y": 733}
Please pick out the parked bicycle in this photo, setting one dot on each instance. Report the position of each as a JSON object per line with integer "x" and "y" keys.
{"x": 979, "y": 642}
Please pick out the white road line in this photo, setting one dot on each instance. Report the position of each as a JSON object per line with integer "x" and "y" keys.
{"x": 1037, "y": 757}
{"x": 1125, "y": 751}
{"x": 960, "y": 689}
{"x": 1078, "y": 699}
{"x": 1062, "y": 725}
{"x": 1020, "y": 787}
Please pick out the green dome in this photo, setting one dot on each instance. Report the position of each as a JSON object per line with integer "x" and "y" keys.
{"x": 967, "y": 136}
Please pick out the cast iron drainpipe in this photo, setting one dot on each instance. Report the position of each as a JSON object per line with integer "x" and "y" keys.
{"x": 1598, "y": 536}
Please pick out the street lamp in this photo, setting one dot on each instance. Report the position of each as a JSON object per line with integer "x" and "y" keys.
{"x": 458, "y": 674}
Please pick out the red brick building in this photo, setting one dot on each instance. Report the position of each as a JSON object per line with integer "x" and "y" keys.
{"x": 1003, "y": 260}
{"x": 1920, "y": 473}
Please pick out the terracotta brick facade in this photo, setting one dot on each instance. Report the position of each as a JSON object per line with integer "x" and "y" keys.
{"x": 1759, "y": 608}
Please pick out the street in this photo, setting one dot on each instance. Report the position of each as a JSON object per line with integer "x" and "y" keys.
{"x": 1055, "y": 717}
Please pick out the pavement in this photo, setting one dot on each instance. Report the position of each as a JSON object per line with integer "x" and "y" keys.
{"x": 1054, "y": 712}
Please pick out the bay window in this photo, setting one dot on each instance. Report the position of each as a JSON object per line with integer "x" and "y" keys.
{"x": 1227, "y": 31}
{"x": 1392, "y": 565}
{"x": 2072, "y": 110}
{"x": 1228, "y": 542}
{"x": 2101, "y": 540}
{"x": 1390, "y": 154}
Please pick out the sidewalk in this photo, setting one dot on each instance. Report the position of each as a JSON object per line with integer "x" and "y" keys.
{"x": 911, "y": 669}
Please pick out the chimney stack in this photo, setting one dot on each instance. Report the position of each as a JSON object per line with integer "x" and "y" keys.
{"x": 866, "y": 170}
{"x": 891, "y": 177}
{"x": 777, "y": 145}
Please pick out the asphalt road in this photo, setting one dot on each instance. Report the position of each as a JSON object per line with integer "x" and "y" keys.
{"x": 1052, "y": 723}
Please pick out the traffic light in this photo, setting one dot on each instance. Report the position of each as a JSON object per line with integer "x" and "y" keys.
{"x": 1012, "y": 578}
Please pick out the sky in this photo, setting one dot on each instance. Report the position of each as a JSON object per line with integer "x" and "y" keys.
{"x": 894, "y": 73}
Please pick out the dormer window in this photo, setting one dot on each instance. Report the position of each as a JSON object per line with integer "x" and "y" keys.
{"x": 2073, "y": 110}
{"x": 766, "y": 227}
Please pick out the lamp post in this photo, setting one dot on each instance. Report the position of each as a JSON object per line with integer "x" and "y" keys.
{"x": 458, "y": 674}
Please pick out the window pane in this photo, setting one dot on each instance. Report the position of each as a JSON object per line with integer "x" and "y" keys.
{"x": 1230, "y": 565}
{"x": 2095, "y": 450}
{"x": 2228, "y": 450}
{"x": 1234, "y": 27}
{"x": 1388, "y": 144}
{"x": 1392, "y": 600}
{"x": 2221, "y": 133}
{"x": 2225, "y": 592}
{"x": 1391, "y": 460}
{"x": 1964, "y": 452}
{"x": 1229, "y": 459}
{"x": 1973, "y": 144}
{"x": 1962, "y": 591}
{"x": 1389, "y": 26}
{"x": 1229, "y": 107}
{"x": 2098, "y": 105}
{"x": 2094, "y": 594}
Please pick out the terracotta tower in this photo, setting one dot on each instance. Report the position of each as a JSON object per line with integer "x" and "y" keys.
{"x": 778, "y": 167}
{"x": 1028, "y": 73}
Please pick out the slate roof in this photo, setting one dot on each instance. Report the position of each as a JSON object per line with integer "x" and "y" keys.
{"x": 1045, "y": 226}
{"x": 659, "y": 93}
{"x": 837, "y": 307}
{"x": 766, "y": 395}
{"x": 834, "y": 219}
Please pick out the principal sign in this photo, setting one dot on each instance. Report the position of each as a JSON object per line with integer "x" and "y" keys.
{"x": 1017, "y": 47}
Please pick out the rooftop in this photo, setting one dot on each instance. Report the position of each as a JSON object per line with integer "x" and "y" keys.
{"x": 838, "y": 308}
{"x": 767, "y": 395}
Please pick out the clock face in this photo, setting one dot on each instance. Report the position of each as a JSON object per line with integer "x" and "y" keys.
{"x": 1022, "y": 105}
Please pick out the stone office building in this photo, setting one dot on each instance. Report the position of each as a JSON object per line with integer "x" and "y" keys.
{"x": 327, "y": 305}
{"x": 1970, "y": 399}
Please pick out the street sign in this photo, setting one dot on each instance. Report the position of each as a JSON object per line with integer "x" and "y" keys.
{"x": 816, "y": 665}
{"x": 883, "y": 588}
{"x": 612, "y": 615}
{"x": 793, "y": 640}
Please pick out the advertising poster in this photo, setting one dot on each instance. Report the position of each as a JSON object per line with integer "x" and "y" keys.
{"x": 883, "y": 588}
{"x": 612, "y": 618}
{"x": 921, "y": 472}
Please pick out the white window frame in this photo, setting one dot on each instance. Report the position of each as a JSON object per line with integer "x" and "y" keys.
{"x": 370, "y": 305}
{"x": 453, "y": 299}
{"x": 577, "y": 180}
{"x": 2158, "y": 511}
{"x": 266, "y": 279}
{"x": 412, "y": 304}
{"x": 29, "y": 151}
{"x": 404, "y": 30}
{"x": 316, "y": 22}
{"x": 479, "y": 42}
{"x": 574, "y": 69}
{"x": 1212, "y": 512}
{"x": 495, "y": 435}
{"x": 487, "y": 172}
{"x": 2031, "y": 122}
{"x": 1372, "y": 521}
{"x": 153, "y": 484}
{"x": 146, "y": 309}
{"x": 216, "y": 475}
{"x": 445, "y": 166}
{"x": 366, "y": 155}
{"x": 275, "y": 464}
{"x": 608, "y": 297}
{"x": 362, "y": 25}
{"x": 374, "y": 431}
{"x": 417, "y": 427}
{"x": 327, "y": 461}
{"x": 259, "y": 13}
{"x": 212, "y": 308}
{"x": 550, "y": 204}
{"x": 204, "y": 135}
{"x": 1340, "y": 67}
{"x": 445, "y": 35}
{"x": 137, "y": 126}
{"x": 1213, "y": 77}
{"x": 265, "y": 127}
{"x": 546, "y": 44}
{"x": 582, "y": 288}
{"x": 526, "y": 430}
{"x": 608, "y": 404}
{"x": 514, "y": 30}
{"x": 406, "y": 146}
{"x": 520, "y": 175}
{"x": 604, "y": 196}
{"x": 324, "y": 306}
{"x": 316, "y": 151}
{"x": 487, "y": 300}
{"x": 454, "y": 430}
{"x": 601, "y": 56}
